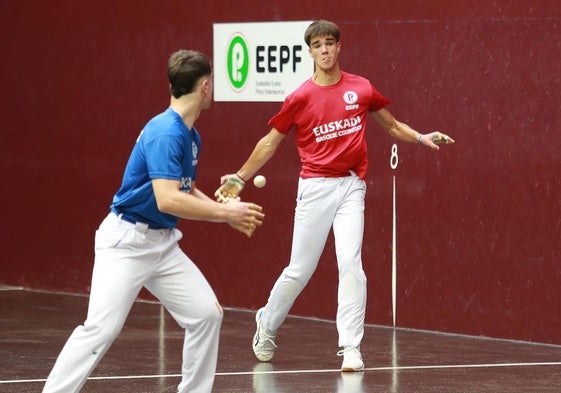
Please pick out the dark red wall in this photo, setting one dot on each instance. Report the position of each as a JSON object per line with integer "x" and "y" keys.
{"x": 478, "y": 223}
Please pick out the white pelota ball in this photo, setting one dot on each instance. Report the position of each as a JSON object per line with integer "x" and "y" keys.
{"x": 259, "y": 181}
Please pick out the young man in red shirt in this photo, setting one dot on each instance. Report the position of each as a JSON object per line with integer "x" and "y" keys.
{"x": 329, "y": 114}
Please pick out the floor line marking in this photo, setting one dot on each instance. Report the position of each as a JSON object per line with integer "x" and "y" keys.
{"x": 390, "y": 368}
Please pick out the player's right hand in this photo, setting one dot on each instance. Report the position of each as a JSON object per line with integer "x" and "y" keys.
{"x": 244, "y": 216}
{"x": 434, "y": 139}
{"x": 231, "y": 186}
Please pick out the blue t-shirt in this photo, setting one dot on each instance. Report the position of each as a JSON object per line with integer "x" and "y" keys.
{"x": 165, "y": 149}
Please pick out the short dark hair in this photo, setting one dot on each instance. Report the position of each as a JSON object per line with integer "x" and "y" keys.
{"x": 320, "y": 28}
{"x": 185, "y": 68}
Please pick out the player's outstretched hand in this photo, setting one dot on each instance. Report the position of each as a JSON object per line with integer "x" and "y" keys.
{"x": 231, "y": 186}
{"x": 245, "y": 217}
{"x": 434, "y": 139}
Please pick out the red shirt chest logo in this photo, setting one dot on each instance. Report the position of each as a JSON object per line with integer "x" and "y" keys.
{"x": 351, "y": 98}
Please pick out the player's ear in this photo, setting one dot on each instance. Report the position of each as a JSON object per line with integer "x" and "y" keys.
{"x": 205, "y": 85}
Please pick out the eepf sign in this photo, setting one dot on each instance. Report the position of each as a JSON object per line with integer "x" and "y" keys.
{"x": 259, "y": 61}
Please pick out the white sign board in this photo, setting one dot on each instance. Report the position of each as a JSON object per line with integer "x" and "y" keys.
{"x": 259, "y": 61}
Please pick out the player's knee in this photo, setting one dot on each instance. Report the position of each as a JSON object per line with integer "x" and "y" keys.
{"x": 212, "y": 315}
{"x": 216, "y": 314}
{"x": 103, "y": 334}
{"x": 350, "y": 265}
{"x": 351, "y": 286}
{"x": 291, "y": 287}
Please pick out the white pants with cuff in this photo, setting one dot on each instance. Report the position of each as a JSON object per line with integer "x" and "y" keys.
{"x": 322, "y": 204}
{"x": 127, "y": 258}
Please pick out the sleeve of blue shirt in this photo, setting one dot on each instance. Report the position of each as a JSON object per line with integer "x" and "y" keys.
{"x": 164, "y": 157}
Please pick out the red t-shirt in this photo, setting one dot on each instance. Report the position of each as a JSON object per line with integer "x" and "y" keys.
{"x": 330, "y": 122}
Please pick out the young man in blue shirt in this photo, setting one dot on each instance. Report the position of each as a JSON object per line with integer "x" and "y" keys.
{"x": 136, "y": 244}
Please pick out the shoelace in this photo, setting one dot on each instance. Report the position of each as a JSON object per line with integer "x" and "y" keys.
{"x": 346, "y": 349}
{"x": 262, "y": 338}
{"x": 271, "y": 341}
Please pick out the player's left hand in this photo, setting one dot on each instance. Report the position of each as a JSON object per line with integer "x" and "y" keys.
{"x": 251, "y": 218}
{"x": 231, "y": 186}
{"x": 434, "y": 139}
{"x": 245, "y": 229}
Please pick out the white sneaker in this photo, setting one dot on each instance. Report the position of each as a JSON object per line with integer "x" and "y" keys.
{"x": 352, "y": 359}
{"x": 263, "y": 344}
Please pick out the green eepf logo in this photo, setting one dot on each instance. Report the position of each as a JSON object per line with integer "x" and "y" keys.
{"x": 238, "y": 62}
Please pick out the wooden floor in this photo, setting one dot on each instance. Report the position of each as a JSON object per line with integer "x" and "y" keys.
{"x": 147, "y": 355}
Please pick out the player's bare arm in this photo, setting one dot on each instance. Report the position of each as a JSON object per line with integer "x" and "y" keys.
{"x": 243, "y": 216}
{"x": 263, "y": 151}
{"x": 232, "y": 184}
{"x": 403, "y": 132}
{"x": 198, "y": 193}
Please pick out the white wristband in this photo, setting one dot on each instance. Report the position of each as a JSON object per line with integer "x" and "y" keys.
{"x": 419, "y": 138}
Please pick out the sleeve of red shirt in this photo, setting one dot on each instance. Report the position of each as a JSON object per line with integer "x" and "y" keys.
{"x": 378, "y": 101}
{"x": 284, "y": 119}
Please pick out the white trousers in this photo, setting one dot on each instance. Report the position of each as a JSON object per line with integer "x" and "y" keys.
{"x": 322, "y": 204}
{"x": 127, "y": 258}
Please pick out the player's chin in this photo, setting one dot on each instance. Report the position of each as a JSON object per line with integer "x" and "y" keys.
{"x": 326, "y": 67}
